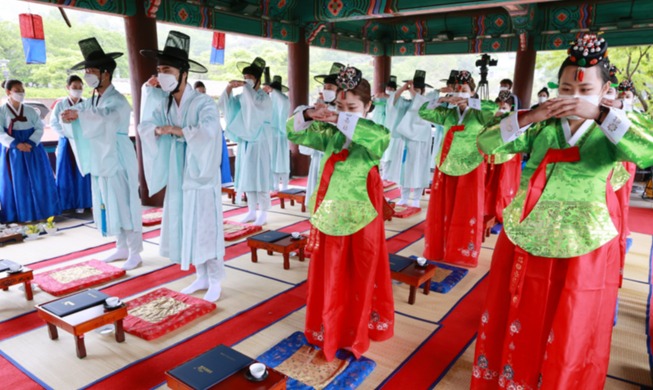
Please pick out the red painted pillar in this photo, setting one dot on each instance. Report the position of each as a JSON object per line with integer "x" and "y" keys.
{"x": 298, "y": 62}
{"x": 382, "y": 66}
{"x": 524, "y": 74}
{"x": 140, "y": 32}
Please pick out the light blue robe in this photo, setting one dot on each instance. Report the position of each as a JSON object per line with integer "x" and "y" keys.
{"x": 280, "y": 148}
{"x": 249, "y": 123}
{"x": 189, "y": 168}
{"x": 100, "y": 140}
{"x": 392, "y": 159}
{"x": 312, "y": 181}
{"x": 416, "y": 135}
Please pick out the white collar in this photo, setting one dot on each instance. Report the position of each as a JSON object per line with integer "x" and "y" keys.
{"x": 572, "y": 140}
{"x": 461, "y": 117}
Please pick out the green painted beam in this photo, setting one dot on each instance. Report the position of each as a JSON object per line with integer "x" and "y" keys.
{"x": 116, "y": 7}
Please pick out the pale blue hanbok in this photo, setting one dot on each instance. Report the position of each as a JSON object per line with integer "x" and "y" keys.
{"x": 393, "y": 157}
{"x": 189, "y": 168}
{"x": 100, "y": 140}
{"x": 249, "y": 123}
{"x": 280, "y": 148}
{"x": 416, "y": 135}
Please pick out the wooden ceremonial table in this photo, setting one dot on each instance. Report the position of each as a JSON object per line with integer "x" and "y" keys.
{"x": 299, "y": 197}
{"x": 24, "y": 276}
{"x": 231, "y": 194}
{"x": 274, "y": 381}
{"x": 415, "y": 276}
{"x": 283, "y": 246}
{"x": 84, "y": 321}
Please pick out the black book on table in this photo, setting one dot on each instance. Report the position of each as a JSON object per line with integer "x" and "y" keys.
{"x": 75, "y": 303}
{"x": 293, "y": 191}
{"x": 211, "y": 368}
{"x": 399, "y": 263}
{"x": 271, "y": 236}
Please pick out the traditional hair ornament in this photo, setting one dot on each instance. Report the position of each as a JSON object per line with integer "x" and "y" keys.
{"x": 504, "y": 96}
{"x": 464, "y": 77}
{"x": 626, "y": 85}
{"x": 348, "y": 78}
{"x": 587, "y": 51}
{"x": 552, "y": 85}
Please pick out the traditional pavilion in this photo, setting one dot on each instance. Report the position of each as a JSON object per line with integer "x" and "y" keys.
{"x": 381, "y": 28}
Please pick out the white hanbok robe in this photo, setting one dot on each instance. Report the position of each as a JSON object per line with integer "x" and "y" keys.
{"x": 313, "y": 178}
{"x": 393, "y": 156}
{"x": 100, "y": 140}
{"x": 189, "y": 168}
{"x": 249, "y": 123}
{"x": 416, "y": 134}
{"x": 280, "y": 148}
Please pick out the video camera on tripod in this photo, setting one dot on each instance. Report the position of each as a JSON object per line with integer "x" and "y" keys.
{"x": 483, "y": 64}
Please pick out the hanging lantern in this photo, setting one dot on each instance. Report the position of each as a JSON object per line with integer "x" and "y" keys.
{"x": 31, "y": 31}
{"x": 217, "y": 48}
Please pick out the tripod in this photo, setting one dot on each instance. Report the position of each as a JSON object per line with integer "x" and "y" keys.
{"x": 483, "y": 89}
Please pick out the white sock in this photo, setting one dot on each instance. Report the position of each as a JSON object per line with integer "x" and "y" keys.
{"x": 132, "y": 262}
{"x": 251, "y": 206}
{"x": 417, "y": 193}
{"x": 405, "y": 194}
{"x": 201, "y": 281}
{"x": 119, "y": 254}
{"x": 284, "y": 181}
{"x": 261, "y": 219}
{"x": 215, "y": 272}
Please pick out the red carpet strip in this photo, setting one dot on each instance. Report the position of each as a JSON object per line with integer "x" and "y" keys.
{"x": 14, "y": 378}
{"x": 640, "y": 220}
{"x": 434, "y": 357}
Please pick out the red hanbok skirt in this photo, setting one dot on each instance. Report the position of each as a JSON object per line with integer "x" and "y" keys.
{"x": 547, "y": 323}
{"x": 501, "y": 185}
{"x": 454, "y": 219}
{"x": 623, "y": 197}
{"x": 349, "y": 287}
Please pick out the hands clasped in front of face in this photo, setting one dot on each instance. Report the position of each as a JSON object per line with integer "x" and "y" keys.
{"x": 565, "y": 107}
{"x": 69, "y": 115}
{"x": 322, "y": 113}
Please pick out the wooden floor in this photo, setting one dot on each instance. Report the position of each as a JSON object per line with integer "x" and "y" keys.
{"x": 53, "y": 364}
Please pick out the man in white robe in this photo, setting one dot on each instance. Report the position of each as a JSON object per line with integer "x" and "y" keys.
{"x": 182, "y": 151}
{"x": 280, "y": 148}
{"x": 99, "y": 132}
{"x": 249, "y": 123}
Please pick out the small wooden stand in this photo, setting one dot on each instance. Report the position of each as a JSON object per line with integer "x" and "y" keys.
{"x": 231, "y": 194}
{"x": 84, "y": 321}
{"x": 415, "y": 276}
{"x": 274, "y": 381}
{"x": 283, "y": 246}
{"x": 299, "y": 197}
{"x": 11, "y": 238}
{"x": 25, "y": 277}
{"x": 488, "y": 223}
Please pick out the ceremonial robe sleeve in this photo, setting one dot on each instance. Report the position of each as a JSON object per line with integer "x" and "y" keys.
{"x": 203, "y": 145}
{"x": 156, "y": 162}
{"x": 5, "y": 139}
{"x": 632, "y": 135}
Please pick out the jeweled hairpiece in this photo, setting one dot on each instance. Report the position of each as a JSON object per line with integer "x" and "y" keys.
{"x": 464, "y": 77}
{"x": 587, "y": 51}
{"x": 348, "y": 78}
{"x": 626, "y": 85}
{"x": 504, "y": 96}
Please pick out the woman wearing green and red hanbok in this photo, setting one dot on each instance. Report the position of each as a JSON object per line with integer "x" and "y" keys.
{"x": 454, "y": 219}
{"x": 547, "y": 321}
{"x": 349, "y": 289}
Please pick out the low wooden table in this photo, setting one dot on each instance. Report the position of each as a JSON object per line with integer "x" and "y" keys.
{"x": 231, "y": 194}
{"x": 415, "y": 276}
{"x": 274, "y": 381}
{"x": 299, "y": 197}
{"x": 84, "y": 321}
{"x": 283, "y": 246}
{"x": 9, "y": 238}
{"x": 25, "y": 277}
{"x": 488, "y": 223}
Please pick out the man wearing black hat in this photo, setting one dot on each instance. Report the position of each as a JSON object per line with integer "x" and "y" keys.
{"x": 99, "y": 132}
{"x": 329, "y": 84}
{"x": 182, "y": 152}
{"x": 249, "y": 123}
{"x": 280, "y": 148}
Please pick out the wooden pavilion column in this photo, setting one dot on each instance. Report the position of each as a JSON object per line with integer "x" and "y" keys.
{"x": 140, "y": 32}
{"x": 382, "y": 66}
{"x": 298, "y": 62}
{"x": 524, "y": 74}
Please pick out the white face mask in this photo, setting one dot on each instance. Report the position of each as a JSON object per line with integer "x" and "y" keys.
{"x": 503, "y": 111}
{"x": 18, "y": 96}
{"x": 594, "y": 99}
{"x": 541, "y": 99}
{"x": 503, "y": 89}
{"x": 358, "y": 114}
{"x": 75, "y": 93}
{"x": 329, "y": 95}
{"x": 388, "y": 91}
{"x": 250, "y": 82}
{"x": 92, "y": 80}
{"x": 464, "y": 95}
{"x": 168, "y": 82}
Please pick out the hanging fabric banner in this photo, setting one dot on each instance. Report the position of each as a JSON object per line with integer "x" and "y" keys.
{"x": 31, "y": 30}
{"x": 217, "y": 48}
